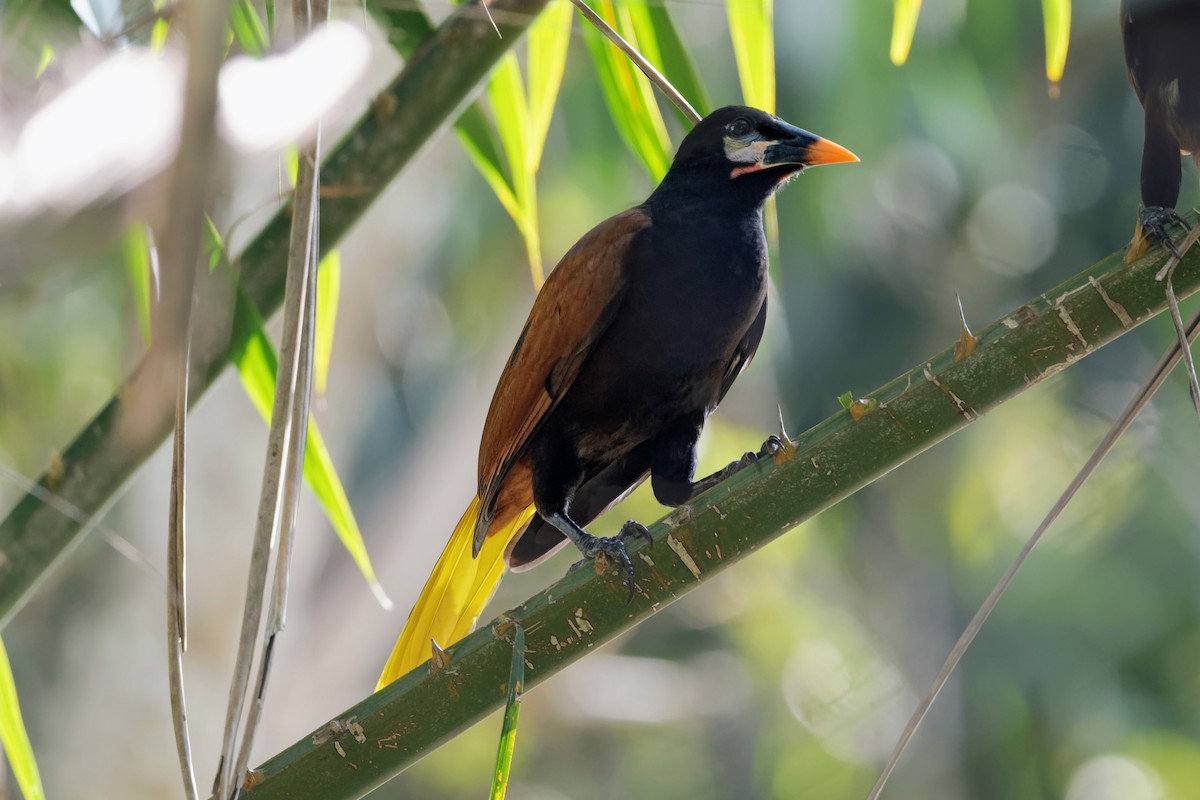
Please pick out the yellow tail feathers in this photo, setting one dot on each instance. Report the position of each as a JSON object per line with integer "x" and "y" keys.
{"x": 455, "y": 593}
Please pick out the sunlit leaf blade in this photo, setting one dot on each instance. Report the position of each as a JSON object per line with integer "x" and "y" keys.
{"x": 506, "y": 95}
{"x": 329, "y": 282}
{"x": 629, "y": 95}
{"x": 138, "y": 268}
{"x": 248, "y": 28}
{"x": 547, "y": 42}
{"x": 291, "y": 162}
{"x": 661, "y": 44}
{"x": 512, "y": 712}
{"x": 158, "y": 34}
{"x": 213, "y": 247}
{"x": 904, "y": 26}
{"x": 46, "y": 60}
{"x": 1057, "y": 14}
{"x": 478, "y": 139}
{"x": 14, "y": 738}
{"x": 254, "y": 356}
{"x": 752, "y": 30}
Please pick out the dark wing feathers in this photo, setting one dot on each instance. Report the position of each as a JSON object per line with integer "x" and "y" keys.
{"x": 575, "y": 306}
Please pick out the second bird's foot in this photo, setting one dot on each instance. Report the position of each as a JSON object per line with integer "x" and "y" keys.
{"x": 1155, "y": 222}
{"x": 611, "y": 551}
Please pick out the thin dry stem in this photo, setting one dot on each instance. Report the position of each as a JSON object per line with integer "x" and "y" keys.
{"x": 188, "y": 195}
{"x": 283, "y": 471}
{"x": 639, "y": 60}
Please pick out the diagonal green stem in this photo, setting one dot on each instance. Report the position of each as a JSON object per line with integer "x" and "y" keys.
{"x": 388, "y": 731}
{"x": 433, "y": 86}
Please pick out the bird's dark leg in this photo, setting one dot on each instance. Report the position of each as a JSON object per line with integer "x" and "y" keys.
{"x": 675, "y": 463}
{"x": 557, "y": 474}
{"x": 1162, "y": 173}
{"x": 769, "y": 448}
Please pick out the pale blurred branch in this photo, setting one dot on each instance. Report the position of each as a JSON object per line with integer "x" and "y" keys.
{"x": 388, "y": 731}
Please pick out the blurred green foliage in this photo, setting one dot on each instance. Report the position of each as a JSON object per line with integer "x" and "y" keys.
{"x": 790, "y": 676}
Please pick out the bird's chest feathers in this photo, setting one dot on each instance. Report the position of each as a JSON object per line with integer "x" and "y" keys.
{"x": 698, "y": 286}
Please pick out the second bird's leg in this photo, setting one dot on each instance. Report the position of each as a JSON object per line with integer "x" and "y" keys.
{"x": 769, "y": 448}
{"x": 675, "y": 463}
{"x": 1155, "y": 221}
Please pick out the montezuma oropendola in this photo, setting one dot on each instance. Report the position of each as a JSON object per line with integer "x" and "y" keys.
{"x": 632, "y": 342}
{"x": 1162, "y": 54}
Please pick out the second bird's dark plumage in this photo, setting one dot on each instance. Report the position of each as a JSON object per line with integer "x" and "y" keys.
{"x": 1162, "y": 54}
{"x": 632, "y": 342}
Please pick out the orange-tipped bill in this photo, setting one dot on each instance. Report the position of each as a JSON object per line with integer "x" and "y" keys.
{"x": 798, "y": 149}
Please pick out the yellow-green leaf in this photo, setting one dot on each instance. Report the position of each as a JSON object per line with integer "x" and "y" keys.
{"x": 158, "y": 34}
{"x": 478, "y": 139}
{"x": 13, "y": 736}
{"x": 46, "y": 60}
{"x": 254, "y": 356}
{"x": 904, "y": 26}
{"x": 329, "y": 282}
{"x": 546, "y": 58}
{"x": 660, "y": 43}
{"x": 512, "y": 714}
{"x": 1057, "y": 15}
{"x": 139, "y": 259}
{"x": 291, "y": 163}
{"x": 510, "y": 109}
{"x": 628, "y": 94}
{"x": 248, "y": 28}
{"x": 506, "y": 96}
{"x": 752, "y": 30}
{"x": 213, "y": 246}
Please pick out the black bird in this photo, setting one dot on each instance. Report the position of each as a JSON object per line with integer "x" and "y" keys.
{"x": 1162, "y": 54}
{"x": 633, "y": 341}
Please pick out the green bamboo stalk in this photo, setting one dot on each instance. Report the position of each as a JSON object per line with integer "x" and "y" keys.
{"x": 391, "y": 729}
{"x": 433, "y": 85}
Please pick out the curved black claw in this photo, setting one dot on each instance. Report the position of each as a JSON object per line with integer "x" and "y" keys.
{"x": 612, "y": 550}
{"x": 633, "y": 529}
{"x": 1156, "y": 220}
{"x": 771, "y": 446}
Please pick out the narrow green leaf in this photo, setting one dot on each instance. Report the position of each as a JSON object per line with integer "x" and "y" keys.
{"x": 291, "y": 162}
{"x": 269, "y": 7}
{"x": 15, "y": 740}
{"x": 904, "y": 25}
{"x": 546, "y": 59}
{"x": 661, "y": 44}
{"x": 629, "y": 95}
{"x": 45, "y": 61}
{"x": 1057, "y": 15}
{"x": 158, "y": 34}
{"x": 512, "y": 712}
{"x": 214, "y": 248}
{"x": 478, "y": 139}
{"x": 138, "y": 259}
{"x": 506, "y": 96}
{"x": 329, "y": 282}
{"x": 510, "y": 109}
{"x": 248, "y": 28}
{"x": 752, "y": 30}
{"x": 254, "y": 356}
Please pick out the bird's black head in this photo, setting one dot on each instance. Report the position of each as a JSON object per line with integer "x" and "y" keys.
{"x": 745, "y": 154}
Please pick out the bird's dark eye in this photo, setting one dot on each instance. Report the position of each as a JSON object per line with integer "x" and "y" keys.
{"x": 739, "y": 127}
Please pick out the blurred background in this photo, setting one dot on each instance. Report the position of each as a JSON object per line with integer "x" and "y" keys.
{"x": 791, "y": 675}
